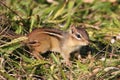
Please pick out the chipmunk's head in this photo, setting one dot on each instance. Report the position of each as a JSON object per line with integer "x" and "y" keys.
{"x": 79, "y": 36}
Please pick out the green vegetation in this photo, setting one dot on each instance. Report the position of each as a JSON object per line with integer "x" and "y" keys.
{"x": 101, "y": 20}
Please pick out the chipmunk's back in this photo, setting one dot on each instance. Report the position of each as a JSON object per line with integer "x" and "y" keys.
{"x": 37, "y": 32}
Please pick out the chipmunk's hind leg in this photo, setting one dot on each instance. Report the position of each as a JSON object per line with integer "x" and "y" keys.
{"x": 37, "y": 55}
{"x": 42, "y": 48}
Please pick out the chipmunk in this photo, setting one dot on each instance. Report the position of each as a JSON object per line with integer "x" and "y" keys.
{"x": 43, "y": 40}
{"x": 64, "y": 42}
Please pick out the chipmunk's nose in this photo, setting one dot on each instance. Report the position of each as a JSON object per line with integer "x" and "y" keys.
{"x": 88, "y": 42}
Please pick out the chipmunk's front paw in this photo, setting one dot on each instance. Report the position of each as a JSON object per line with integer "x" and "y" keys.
{"x": 67, "y": 63}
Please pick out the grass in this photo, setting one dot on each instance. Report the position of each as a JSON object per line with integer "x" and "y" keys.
{"x": 101, "y": 20}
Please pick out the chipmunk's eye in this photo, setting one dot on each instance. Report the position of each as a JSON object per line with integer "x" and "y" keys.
{"x": 32, "y": 42}
{"x": 78, "y": 36}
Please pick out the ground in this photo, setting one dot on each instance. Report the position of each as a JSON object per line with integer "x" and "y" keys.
{"x": 100, "y": 60}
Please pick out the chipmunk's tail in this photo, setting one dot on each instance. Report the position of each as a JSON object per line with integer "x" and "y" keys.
{"x": 4, "y": 33}
{"x": 8, "y": 37}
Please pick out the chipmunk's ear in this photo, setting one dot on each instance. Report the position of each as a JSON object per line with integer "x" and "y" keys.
{"x": 72, "y": 29}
